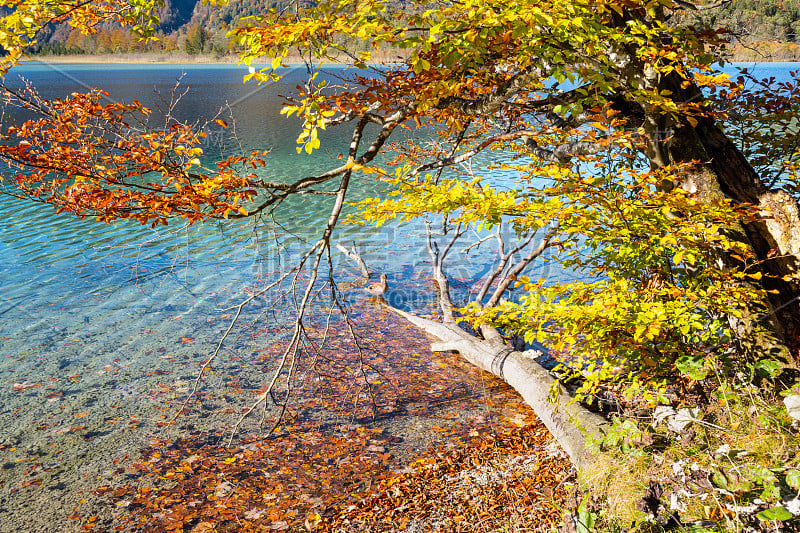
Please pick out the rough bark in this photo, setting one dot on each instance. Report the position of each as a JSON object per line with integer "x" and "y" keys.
{"x": 569, "y": 423}
{"x": 774, "y": 237}
{"x": 725, "y": 172}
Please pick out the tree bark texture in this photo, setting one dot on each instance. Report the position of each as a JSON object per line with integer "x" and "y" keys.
{"x": 725, "y": 172}
{"x": 569, "y": 423}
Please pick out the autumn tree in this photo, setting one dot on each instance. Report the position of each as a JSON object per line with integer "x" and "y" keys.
{"x": 613, "y": 119}
{"x": 196, "y": 39}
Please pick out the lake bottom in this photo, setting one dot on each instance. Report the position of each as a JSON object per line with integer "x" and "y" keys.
{"x": 91, "y": 390}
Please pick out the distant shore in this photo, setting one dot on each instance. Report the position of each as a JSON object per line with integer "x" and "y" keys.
{"x": 753, "y": 52}
{"x": 133, "y": 58}
{"x": 171, "y": 58}
{"x": 765, "y": 52}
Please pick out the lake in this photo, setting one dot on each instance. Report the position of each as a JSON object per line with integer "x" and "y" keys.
{"x": 103, "y": 327}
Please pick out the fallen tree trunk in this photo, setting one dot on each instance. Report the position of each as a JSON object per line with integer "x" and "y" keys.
{"x": 569, "y": 423}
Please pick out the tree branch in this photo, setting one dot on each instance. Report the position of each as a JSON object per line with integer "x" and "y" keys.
{"x": 355, "y": 256}
{"x": 563, "y": 153}
{"x": 490, "y": 104}
{"x": 388, "y": 125}
{"x": 437, "y": 260}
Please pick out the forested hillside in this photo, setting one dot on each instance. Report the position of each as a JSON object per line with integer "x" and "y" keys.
{"x": 761, "y": 28}
{"x": 761, "y": 20}
{"x": 186, "y": 26}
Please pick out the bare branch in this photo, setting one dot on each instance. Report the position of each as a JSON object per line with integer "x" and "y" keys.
{"x": 456, "y": 144}
{"x": 351, "y": 115}
{"x": 517, "y": 270}
{"x": 355, "y": 256}
{"x": 280, "y": 191}
{"x": 490, "y": 104}
{"x": 454, "y": 160}
{"x": 563, "y": 153}
{"x": 504, "y": 258}
{"x": 477, "y": 243}
{"x": 437, "y": 259}
{"x": 319, "y": 249}
{"x": 697, "y": 7}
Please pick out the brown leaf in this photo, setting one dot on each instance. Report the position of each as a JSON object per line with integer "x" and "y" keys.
{"x": 203, "y": 527}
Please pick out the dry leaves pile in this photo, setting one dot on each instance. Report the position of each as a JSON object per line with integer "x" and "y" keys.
{"x": 511, "y": 481}
{"x": 192, "y": 486}
{"x": 333, "y": 473}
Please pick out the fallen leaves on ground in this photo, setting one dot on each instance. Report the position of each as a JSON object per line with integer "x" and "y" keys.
{"x": 486, "y": 481}
{"x": 326, "y": 470}
{"x": 512, "y": 481}
{"x": 252, "y": 487}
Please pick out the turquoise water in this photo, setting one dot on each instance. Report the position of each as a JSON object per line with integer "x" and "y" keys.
{"x": 100, "y": 323}
{"x": 94, "y": 258}
{"x": 96, "y": 317}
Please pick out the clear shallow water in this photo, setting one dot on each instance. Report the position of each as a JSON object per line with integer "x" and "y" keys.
{"x": 100, "y": 323}
{"x": 95, "y": 258}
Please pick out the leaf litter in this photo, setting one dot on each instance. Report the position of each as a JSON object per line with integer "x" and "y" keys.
{"x": 351, "y": 454}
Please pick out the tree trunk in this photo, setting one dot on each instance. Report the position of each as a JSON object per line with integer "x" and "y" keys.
{"x": 568, "y": 422}
{"x": 774, "y": 237}
{"x": 776, "y": 232}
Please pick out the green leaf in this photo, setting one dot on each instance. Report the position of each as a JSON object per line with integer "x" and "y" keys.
{"x": 692, "y": 367}
{"x": 585, "y": 518}
{"x": 769, "y": 367}
{"x": 793, "y": 479}
{"x": 585, "y": 521}
{"x": 775, "y": 513}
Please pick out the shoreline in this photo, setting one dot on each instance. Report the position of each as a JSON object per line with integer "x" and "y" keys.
{"x": 171, "y": 59}
{"x": 131, "y": 58}
{"x": 761, "y": 52}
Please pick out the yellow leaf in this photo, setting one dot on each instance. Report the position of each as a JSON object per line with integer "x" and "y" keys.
{"x": 312, "y": 521}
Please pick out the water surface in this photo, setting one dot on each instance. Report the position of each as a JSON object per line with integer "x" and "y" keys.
{"x": 102, "y": 325}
